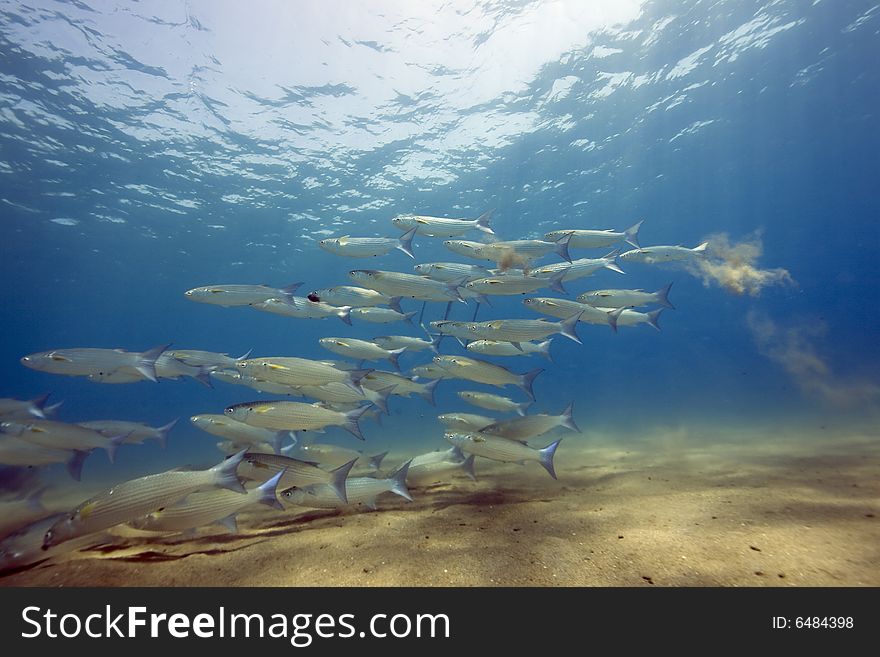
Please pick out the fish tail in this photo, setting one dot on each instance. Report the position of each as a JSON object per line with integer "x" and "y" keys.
{"x": 544, "y": 349}
{"x": 555, "y": 283}
{"x": 701, "y": 248}
{"x": 654, "y": 318}
{"x": 290, "y": 289}
{"x": 351, "y": 421}
{"x": 546, "y": 457}
{"x": 394, "y": 355}
{"x": 482, "y": 222}
{"x": 398, "y": 482}
{"x": 468, "y": 467}
{"x": 394, "y": 304}
{"x": 52, "y": 409}
{"x": 204, "y": 376}
{"x": 228, "y": 521}
{"x": 561, "y": 247}
{"x": 75, "y": 463}
{"x": 354, "y": 379}
{"x": 38, "y": 406}
{"x": 113, "y": 444}
{"x": 631, "y": 234}
{"x": 163, "y": 431}
{"x": 266, "y": 492}
{"x": 523, "y": 407}
{"x": 663, "y": 297}
{"x": 613, "y": 316}
{"x": 379, "y": 398}
{"x": 526, "y": 380}
{"x": 344, "y": 313}
{"x": 408, "y": 317}
{"x": 568, "y": 420}
{"x": 427, "y": 392}
{"x": 376, "y": 461}
{"x": 278, "y": 440}
{"x": 338, "y": 478}
{"x": 146, "y": 362}
{"x": 225, "y": 473}
{"x": 404, "y": 242}
{"x": 568, "y": 327}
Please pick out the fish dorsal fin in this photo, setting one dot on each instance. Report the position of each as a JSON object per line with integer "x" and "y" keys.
{"x": 343, "y": 240}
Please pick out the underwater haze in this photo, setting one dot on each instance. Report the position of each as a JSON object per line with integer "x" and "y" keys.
{"x": 150, "y": 148}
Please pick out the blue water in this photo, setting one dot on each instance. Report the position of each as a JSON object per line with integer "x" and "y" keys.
{"x": 146, "y": 149}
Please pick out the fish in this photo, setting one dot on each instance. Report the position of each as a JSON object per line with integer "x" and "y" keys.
{"x": 519, "y": 252}
{"x": 138, "y": 497}
{"x": 359, "y": 490}
{"x": 451, "y": 455}
{"x": 466, "y": 248}
{"x": 432, "y": 473}
{"x": 168, "y": 367}
{"x": 16, "y": 409}
{"x": 494, "y": 402}
{"x": 597, "y": 239}
{"x": 239, "y": 432}
{"x": 510, "y": 284}
{"x": 429, "y": 371}
{"x": 15, "y": 451}
{"x": 326, "y": 454}
{"x": 407, "y": 342}
{"x": 457, "y": 329}
{"x": 368, "y": 247}
{"x": 503, "y": 449}
{"x": 501, "y": 348}
{"x": 22, "y": 511}
{"x": 473, "y": 369}
{"x": 261, "y": 385}
{"x": 443, "y": 227}
{"x": 339, "y": 393}
{"x": 629, "y": 317}
{"x": 239, "y": 295}
{"x": 565, "y": 308}
{"x": 303, "y": 308}
{"x": 450, "y": 271}
{"x": 97, "y": 364}
{"x": 517, "y": 331}
{"x": 398, "y": 384}
{"x": 209, "y": 359}
{"x": 135, "y": 433}
{"x": 64, "y": 436}
{"x": 295, "y": 416}
{"x": 229, "y": 447}
{"x": 579, "y": 268}
{"x": 626, "y": 298}
{"x": 651, "y": 255}
{"x": 465, "y": 422}
{"x": 398, "y": 284}
{"x": 205, "y": 508}
{"x": 291, "y": 371}
{"x": 349, "y": 295}
{"x": 531, "y": 426}
{"x": 376, "y": 315}
{"x": 24, "y": 546}
{"x": 361, "y": 350}
{"x": 261, "y": 467}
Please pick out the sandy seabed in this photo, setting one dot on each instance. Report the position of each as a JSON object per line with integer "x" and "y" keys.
{"x": 673, "y": 509}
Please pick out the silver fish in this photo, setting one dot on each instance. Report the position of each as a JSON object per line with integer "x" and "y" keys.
{"x": 339, "y": 393}
{"x": 295, "y": 416}
{"x": 359, "y": 490}
{"x": 494, "y": 402}
{"x": 432, "y": 473}
{"x": 397, "y": 284}
{"x": 509, "y": 284}
{"x": 259, "y": 384}
{"x": 651, "y": 255}
{"x": 326, "y": 454}
{"x": 25, "y": 546}
{"x": 565, "y": 308}
{"x": 16, "y": 409}
{"x": 63, "y": 436}
{"x": 442, "y": 227}
{"x": 465, "y": 422}
{"x": 238, "y": 295}
{"x": 209, "y": 359}
{"x": 399, "y": 385}
{"x": 349, "y": 295}
{"x": 626, "y": 298}
{"x": 407, "y": 342}
{"x": 629, "y": 317}
{"x": 135, "y": 433}
{"x": 260, "y": 467}
{"x": 450, "y": 271}
{"x": 292, "y": 371}
{"x": 531, "y": 426}
{"x": 501, "y": 348}
{"x": 239, "y": 432}
{"x": 139, "y": 497}
{"x": 20, "y": 512}
{"x": 14, "y": 451}
{"x": 96, "y": 364}
{"x": 368, "y": 247}
{"x": 597, "y": 239}
{"x": 503, "y": 449}
{"x": 302, "y": 308}
{"x": 168, "y": 367}
{"x": 473, "y": 369}
{"x": 361, "y": 350}
{"x": 517, "y": 331}
{"x": 521, "y": 252}
{"x": 579, "y": 268}
{"x": 376, "y": 315}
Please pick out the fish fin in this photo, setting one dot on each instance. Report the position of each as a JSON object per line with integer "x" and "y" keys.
{"x": 526, "y": 380}
{"x": 611, "y": 261}
{"x": 163, "y": 431}
{"x": 278, "y": 440}
{"x": 433, "y": 337}
{"x": 113, "y": 444}
{"x": 344, "y": 313}
{"x": 404, "y": 242}
{"x": 146, "y": 362}
{"x": 544, "y": 349}
{"x": 290, "y": 289}
{"x": 483, "y": 222}
{"x": 568, "y": 327}
{"x": 546, "y": 457}
{"x": 393, "y": 356}
{"x": 453, "y": 285}
{"x": 555, "y": 282}
{"x": 701, "y": 248}
{"x": 204, "y": 376}
{"x": 613, "y": 315}
{"x": 376, "y": 461}
{"x": 523, "y": 407}
{"x": 371, "y": 504}
{"x": 663, "y": 297}
{"x": 354, "y": 379}
{"x": 338, "y": 477}
{"x": 379, "y": 398}
{"x": 427, "y": 392}
{"x": 38, "y": 406}
{"x": 561, "y": 247}
{"x": 351, "y": 421}
{"x": 266, "y": 492}
{"x": 408, "y": 317}
{"x": 398, "y": 481}
{"x": 52, "y": 409}
{"x": 654, "y": 317}
{"x": 568, "y": 420}
{"x": 189, "y": 534}
{"x": 34, "y": 499}
{"x": 631, "y": 234}
{"x": 225, "y": 473}
{"x": 517, "y": 346}
{"x": 394, "y": 304}
{"x": 468, "y": 467}
{"x": 244, "y": 355}
{"x": 75, "y": 463}
{"x": 228, "y": 522}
